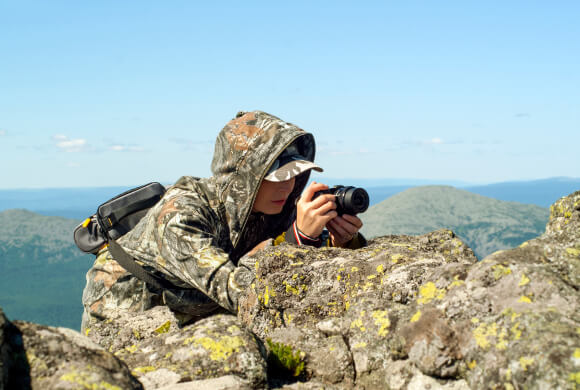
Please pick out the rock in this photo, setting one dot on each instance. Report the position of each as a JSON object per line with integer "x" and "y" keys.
{"x": 14, "y": 368}
{"x": 418, "y": 311}
{"x": 214, "y": 347}
{"x": 42, "y": 357}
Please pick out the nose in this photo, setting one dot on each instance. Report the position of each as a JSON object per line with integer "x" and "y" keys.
{"x": 286, "y": 186}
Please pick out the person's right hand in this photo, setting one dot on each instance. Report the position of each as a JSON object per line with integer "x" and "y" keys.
{"x": 313, "y": 215}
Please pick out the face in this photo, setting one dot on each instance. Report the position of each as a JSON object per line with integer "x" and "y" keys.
{"x": 272, "y": 196}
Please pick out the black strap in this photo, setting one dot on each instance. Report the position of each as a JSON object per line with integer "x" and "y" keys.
{"x": 127, "y": 262}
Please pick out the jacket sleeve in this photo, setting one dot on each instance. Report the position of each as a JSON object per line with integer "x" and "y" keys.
{"x": 189, "y": 251}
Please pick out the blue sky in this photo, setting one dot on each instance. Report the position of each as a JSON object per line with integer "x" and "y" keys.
{"x": 121, "y": 93}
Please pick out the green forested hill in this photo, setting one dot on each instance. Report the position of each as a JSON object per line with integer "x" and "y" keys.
{"x": 485, "y": 224}
{"x": 42, "y": 272}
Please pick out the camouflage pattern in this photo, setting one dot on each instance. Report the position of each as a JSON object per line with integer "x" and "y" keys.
{"x": 290, "y": 164}
{"x": 197, "y": 234}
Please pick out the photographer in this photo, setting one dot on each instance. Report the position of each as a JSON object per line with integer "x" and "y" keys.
{"x": 202, "y": 233}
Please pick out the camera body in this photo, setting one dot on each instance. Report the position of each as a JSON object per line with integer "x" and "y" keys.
{"x": 349, "y": 200}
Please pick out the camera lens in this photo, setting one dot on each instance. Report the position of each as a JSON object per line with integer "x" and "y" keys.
{"x": 356, "y": 200}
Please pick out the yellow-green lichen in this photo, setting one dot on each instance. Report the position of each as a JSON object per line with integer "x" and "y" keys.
{"x": 266, "y": 296}
{"x": 395, "y": 258}
{"x": 131, "y": 349}
{"x": 525, "y": 362}
{"x": 500, "y": 271}
{"x": 483, "y": 332}
{"x": 83, "y": 379}
{"x": 524, "y": 299}
{"x": 416, "y": 316}
{"x": 381, "y": 318}
{"x": 574, "y": 377}
{"x": 142, "y": 370}
{"x": 456, "y": 282}
{"x": 524, "y": 280}
{"x": 163, "y": 328}
{"x": 472, "y": 364}
{"x": 358, "y": 323}
{"x": 573, "y": 251}
{"x": 516, "y": 332}
{"x": 502, "y": 340}
{"x": 219, "y": 349}
{"x": 362, "y": 344}
{"x": 428, "y": 292}
{"x": 380, "y": 268}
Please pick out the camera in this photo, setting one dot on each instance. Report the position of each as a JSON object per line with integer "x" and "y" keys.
{"x": 349, "y": 200}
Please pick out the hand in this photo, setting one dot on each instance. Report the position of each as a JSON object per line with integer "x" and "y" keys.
{"x": 343, "y": 228}
{"x": 313, "y": 215}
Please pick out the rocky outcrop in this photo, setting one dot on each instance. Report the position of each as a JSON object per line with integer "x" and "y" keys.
{"x": 43, "y": 357}
{"x": 406, "y": 312}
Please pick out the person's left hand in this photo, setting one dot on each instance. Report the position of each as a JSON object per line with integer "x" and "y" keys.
{"x": 343, "y": 228}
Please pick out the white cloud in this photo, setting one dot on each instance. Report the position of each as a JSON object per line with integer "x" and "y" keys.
{"x": 70, "y": 145}
{"x": 126, "y": 148}
{"x": 196, "y": 145}
{"x": 2, "y": 133}
{"x": 434, "y": 141}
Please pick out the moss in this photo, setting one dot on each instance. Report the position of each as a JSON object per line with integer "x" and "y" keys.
{"x": 284, "y": 360}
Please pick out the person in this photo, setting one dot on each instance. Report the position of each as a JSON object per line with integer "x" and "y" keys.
{"x": 202, "y": 234}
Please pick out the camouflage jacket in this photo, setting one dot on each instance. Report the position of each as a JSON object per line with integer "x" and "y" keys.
{"x": 196, "y": 236}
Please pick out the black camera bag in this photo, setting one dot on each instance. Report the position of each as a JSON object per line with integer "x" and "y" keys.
{"x": 116, "y": 217}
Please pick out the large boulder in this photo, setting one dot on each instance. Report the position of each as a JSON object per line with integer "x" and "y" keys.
{"x": 408, "y": 310}
{"x": 41, "y": 357}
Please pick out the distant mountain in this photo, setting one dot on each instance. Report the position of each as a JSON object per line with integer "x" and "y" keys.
{"x": 42, "y": 272}
{"x": 485, "y": 224}
{"x": 539, "y": 192}
{"x": 78, "y": 203}
{"x": 74, "y": 203}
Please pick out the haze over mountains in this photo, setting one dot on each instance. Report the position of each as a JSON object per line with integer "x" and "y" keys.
{"x": 42, "y": 273}
{"x": 78, "y": 203}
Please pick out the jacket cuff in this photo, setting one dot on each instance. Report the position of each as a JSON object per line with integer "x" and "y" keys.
{"x": 295, "y": 236}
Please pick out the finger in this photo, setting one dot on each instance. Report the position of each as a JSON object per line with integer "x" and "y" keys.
{"x": 324, "y": 202}
{"x": 339, "y": 229}
{"x": 311, "y": 189}
{"x": 356, "y": 221}
{"x": 346, "y": 226}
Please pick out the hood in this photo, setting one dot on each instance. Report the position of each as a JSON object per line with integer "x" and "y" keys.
{"x": 244, "y": 151}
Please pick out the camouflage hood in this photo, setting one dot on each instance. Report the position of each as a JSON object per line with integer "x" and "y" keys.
{"x": 245, "y": 150}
